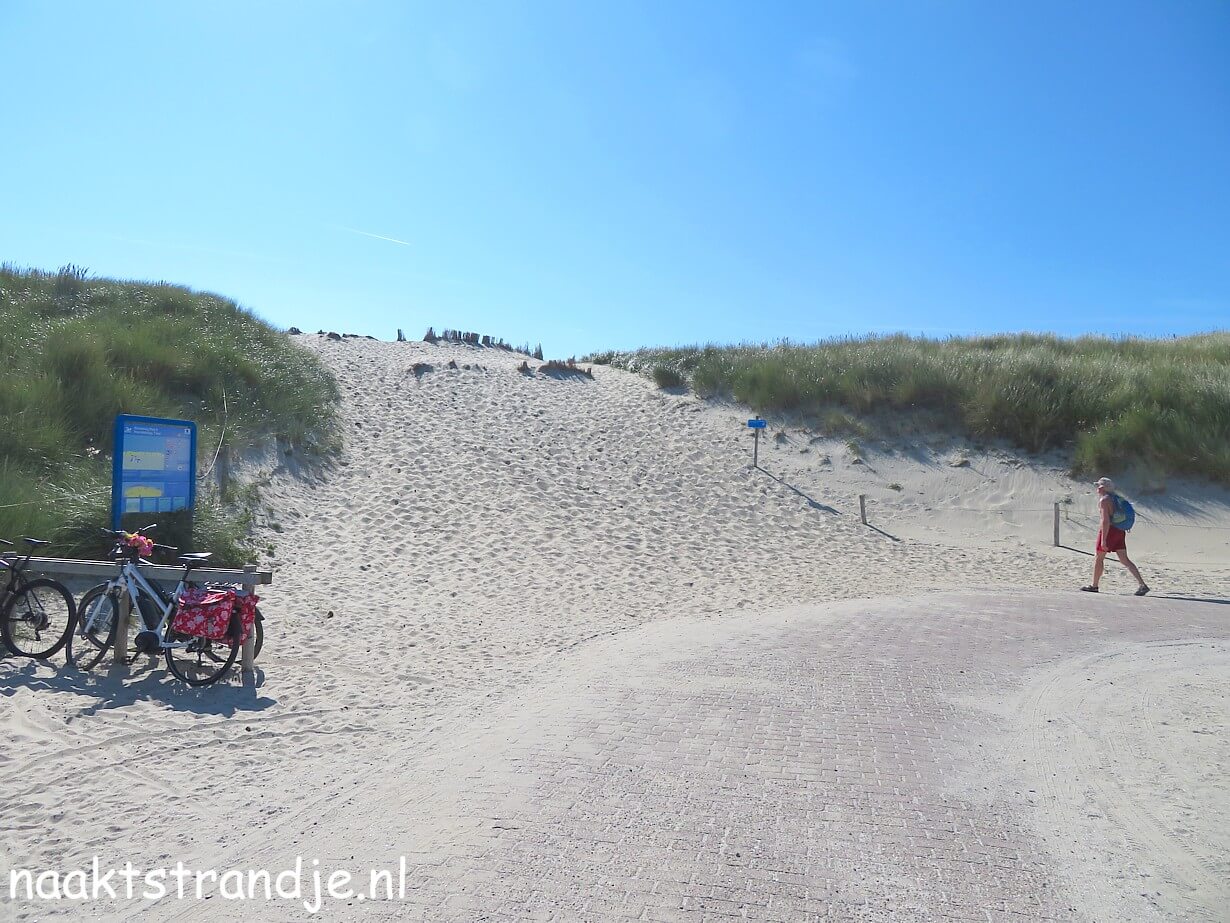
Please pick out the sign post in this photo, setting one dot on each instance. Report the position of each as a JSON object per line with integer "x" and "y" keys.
{"x": 153, "y": 475}
{"x": 756, "y": 426}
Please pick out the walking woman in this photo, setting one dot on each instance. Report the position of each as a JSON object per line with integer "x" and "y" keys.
{"x": 1111, "y": 538}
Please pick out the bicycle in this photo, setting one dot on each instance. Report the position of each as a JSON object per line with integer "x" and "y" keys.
{"x": 194, "y": 660}
{"x": 38, "y": 615}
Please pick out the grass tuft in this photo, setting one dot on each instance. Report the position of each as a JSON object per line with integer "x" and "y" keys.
{"x": 666, "y": 377}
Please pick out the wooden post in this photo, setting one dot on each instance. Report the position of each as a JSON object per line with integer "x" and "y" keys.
{"x": 119, "y": 653}
{"x": 1056, "y": 525}
{"x": 862, "y": 508}
{"x": 248, "y": 657}
{"x": 222, "y": 467}
{"x": 756, "y": 448}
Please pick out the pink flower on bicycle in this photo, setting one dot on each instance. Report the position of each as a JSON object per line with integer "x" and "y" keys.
{"x": 144, "y": 546}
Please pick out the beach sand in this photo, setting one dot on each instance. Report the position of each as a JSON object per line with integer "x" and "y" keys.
{"x": 486, "y": 534}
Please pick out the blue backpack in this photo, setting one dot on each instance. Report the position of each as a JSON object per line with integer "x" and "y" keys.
{"x": 1123, "y": 516}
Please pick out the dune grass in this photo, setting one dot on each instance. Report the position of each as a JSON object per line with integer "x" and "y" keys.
{"x": 1161, "y": 406}
{"x": 75, "y": 351}
{"x": 667, "y": 376}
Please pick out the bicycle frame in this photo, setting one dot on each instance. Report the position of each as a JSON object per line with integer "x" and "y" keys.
{"x": 132, "y": 582}
{"x": 12, "y": 564}
{"x": 12, "y": 576}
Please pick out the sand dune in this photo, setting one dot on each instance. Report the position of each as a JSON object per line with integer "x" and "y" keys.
{"x": 484, "y": 526}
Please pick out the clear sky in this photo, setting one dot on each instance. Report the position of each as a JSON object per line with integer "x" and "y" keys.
{"x": 619, "y": 174}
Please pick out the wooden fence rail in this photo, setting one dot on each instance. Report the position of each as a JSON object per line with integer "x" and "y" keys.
{"x": 249, "y": 578}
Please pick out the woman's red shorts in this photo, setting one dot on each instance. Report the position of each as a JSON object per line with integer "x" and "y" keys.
{"x": 1116, "y": 541}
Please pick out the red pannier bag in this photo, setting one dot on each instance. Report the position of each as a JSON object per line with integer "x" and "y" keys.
{"x": 206, "y": 613}
{"x": 245, "y": 605}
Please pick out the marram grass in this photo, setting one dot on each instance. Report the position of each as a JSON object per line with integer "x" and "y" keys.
{"x": 75, "y": 351}
{"x": 1160, "y": 406}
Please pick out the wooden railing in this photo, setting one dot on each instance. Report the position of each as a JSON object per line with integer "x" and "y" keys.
{"x": 249, "y": 578}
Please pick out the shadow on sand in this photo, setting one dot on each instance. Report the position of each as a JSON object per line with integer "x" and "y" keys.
{"x": 817, "y": 505}
{"x": 882, "y": 532}
{"x": 1088, "y": 554}
{"x": 1193, "y": 599}
{"x": 117, "y": 687}
{"x": 1112, "y": 559}
{"x": 814, "y": 504}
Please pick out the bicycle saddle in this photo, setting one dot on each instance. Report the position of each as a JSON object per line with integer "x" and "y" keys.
{"x": 195, "y": 560}
{"x": 35, "y": 542}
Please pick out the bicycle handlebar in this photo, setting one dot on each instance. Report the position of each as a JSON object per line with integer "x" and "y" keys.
{"x": 123, "y": 548}
{"x": 121, "y": 532}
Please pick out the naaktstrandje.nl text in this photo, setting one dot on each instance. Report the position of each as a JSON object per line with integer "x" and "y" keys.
{"x": 306, "y": 882}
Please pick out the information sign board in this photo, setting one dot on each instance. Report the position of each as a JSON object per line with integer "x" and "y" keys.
{"x": 154, "y": 470}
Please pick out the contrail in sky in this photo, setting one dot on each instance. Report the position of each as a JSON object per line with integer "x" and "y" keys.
{"x": 430, "y": 277}
{"x": 392, "y": 240}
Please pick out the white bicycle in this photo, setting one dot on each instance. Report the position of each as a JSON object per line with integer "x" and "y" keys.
{"x": 194, "y": 660}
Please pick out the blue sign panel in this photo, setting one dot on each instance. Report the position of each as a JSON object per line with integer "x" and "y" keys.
{"x": 756, "y": 424}
{"x": 155, "y": 466}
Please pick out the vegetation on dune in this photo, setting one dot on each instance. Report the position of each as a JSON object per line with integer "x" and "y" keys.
{"x": 1161, "y": 406}
{"x": 666, "y": 376}
{"x": 475, "y": 339}
{"x": 76, "y": 351}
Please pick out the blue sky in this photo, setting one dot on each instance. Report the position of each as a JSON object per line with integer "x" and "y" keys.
{"x": 595, "y": 175}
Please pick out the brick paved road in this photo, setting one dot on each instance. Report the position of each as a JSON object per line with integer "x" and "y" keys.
{"x": 873, "y": 760}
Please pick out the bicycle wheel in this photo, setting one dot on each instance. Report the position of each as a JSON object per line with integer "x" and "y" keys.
{"x": 94, "y": 632}
{"x": 38, "y": 618}
{"x": 199, "y": 661}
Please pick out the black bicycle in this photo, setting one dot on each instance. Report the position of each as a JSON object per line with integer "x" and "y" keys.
{"x": 36, "y": 616}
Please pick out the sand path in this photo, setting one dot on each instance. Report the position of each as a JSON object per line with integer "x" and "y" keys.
{"x": 957, "y": 757}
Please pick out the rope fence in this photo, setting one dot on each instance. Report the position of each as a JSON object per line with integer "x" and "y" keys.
{"x": 1151, "y": 522}
{"x": 1061, "y": 513}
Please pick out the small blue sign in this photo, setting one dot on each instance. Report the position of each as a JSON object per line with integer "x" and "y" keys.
{"x": 154, "y": 468}
{"x": 756, "y": 424}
